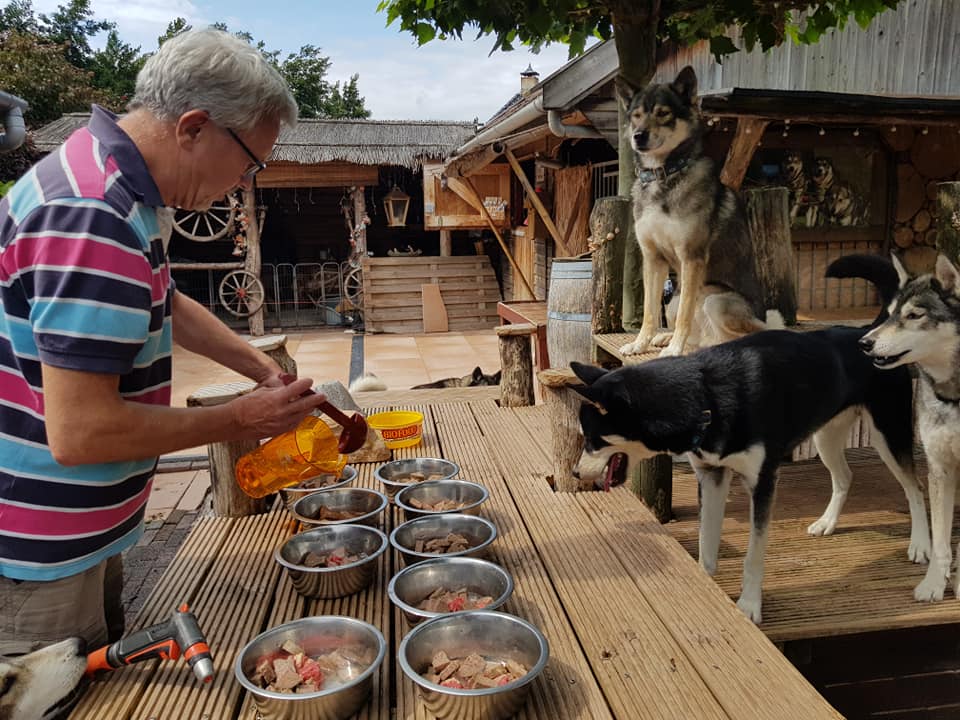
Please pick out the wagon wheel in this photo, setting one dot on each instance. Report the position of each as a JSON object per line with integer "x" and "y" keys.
{"x": 353, "y": 288}
{"x": 241, "y": 293}
{"x": 206, "y": 225}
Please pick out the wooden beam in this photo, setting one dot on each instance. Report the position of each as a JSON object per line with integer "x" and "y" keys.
{"x": 252, "y": 262}
{"x": 535, "y": 200}
{"x": 918, "y": 120}
{"x": 745, "y": 141}
{"x": 503, "y": 246}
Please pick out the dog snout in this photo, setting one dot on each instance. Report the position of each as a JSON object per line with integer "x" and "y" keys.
{"x": 641, "y": 138}
{"x": 866, "y": 344}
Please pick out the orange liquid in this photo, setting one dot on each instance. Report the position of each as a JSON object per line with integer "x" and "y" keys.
{"x": 290, "y": 458}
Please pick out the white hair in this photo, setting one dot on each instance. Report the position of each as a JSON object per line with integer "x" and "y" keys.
{"x": 214, "y": 71}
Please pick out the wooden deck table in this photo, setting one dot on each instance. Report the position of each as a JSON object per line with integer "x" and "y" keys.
{"x": 636, "y": 629}
{"x": 535, "y": 313}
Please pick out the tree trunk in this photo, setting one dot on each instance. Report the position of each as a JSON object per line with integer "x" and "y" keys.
{"x": 768, "y": 217}
{"x": 609, "y": 223}
{"x": 564, "y": 407}
{"x": 516, "y": 360}
{"x": 228, "y": 499}
{"x": 653, "y": 482}
{"x": 948, "y": 218}
{"x": 251, "y": 262}
{"x": 745, "y": 142}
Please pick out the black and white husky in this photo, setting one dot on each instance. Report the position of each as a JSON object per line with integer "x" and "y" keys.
{"x": 924, "y": 329}
{"x": 741, "y": 407}
{"x": 36, "y": 686}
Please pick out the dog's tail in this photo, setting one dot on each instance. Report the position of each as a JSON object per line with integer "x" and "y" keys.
{"x": 368, "y": 382}
{"x": 877, "y": 269}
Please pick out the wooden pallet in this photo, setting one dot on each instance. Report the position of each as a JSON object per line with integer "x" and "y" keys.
{"x": 392, "y": 295}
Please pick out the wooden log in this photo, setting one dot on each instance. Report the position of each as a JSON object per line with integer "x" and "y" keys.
{"x": 653, "y": 482}
{"x": 516, "y": 362}
{"x": 275, "y": 346}
{"x": 910, "y": 192}
{"x": 228, "y": 499}
{"x": 446, "y": 244}
{"x": 903, "y": 236}
{"x": 251, "y": 262}
{"x": 948, "y": 216}
{"x": 564, "y": 407}
{"x": 745, "y": 142}
{"x": 768, "y": 217}
{"x": 921, "y": 221}
{"x": 937, "y": 154}
{"x": 609, "y": 221}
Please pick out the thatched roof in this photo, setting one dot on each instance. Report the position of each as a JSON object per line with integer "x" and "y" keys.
{"x": 363, "y": 142}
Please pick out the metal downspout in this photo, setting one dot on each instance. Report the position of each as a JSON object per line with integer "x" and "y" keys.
{"x": 15, "y": 130}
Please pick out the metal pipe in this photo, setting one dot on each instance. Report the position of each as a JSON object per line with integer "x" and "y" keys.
{"x": 527, "y": 114}
{"x": 15, "y": 130}
{"x": 557, "y": 127}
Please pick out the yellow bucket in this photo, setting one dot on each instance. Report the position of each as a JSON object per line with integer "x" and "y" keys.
{"x": 399, "y": 428}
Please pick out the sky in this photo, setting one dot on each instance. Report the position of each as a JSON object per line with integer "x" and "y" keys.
{"x": 443, "y": 80}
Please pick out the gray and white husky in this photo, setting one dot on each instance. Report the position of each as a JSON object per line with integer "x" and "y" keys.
{"x": 924, "y": 329}
{"x": 37, "y": 685}
{"x": 686, "y": 219}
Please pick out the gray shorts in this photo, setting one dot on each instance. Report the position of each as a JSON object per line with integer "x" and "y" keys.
{"x": 87, "y": 605}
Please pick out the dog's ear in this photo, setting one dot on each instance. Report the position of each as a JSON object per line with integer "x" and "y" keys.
{"x": 685, "y": 85}
{"x": 902, "y": 275}
{"x": 625, "y": 91}
{"x": 588, "y": 373}
{"x": 477, "y": 374}
{"x": 495, "y": 378}
{"x": 948, "y": 275}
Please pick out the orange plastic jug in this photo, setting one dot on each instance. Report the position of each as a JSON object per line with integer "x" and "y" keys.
{"x": 307, "y": 450}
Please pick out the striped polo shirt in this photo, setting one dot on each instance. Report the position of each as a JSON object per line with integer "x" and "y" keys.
{"x": 84, "y": 285}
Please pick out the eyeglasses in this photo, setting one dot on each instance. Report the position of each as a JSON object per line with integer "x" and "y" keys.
{"x": 257, "y": 164}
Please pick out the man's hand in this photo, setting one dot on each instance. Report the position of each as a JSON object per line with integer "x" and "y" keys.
{"x": 274, "y": 408}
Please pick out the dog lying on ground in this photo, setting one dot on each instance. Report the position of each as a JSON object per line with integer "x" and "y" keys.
{"x": 687, "y": 220}
{"x": 40, "y": 684}
{"x": 743, "y": 406}
{"x": 924, "y": 329}
{"x": 370, "y": 382}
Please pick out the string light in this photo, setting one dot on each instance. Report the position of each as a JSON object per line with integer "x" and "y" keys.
{"x": 925, "y": 131}
{"x": 711, "y": 122}
{"x": 822, "y": 132}
{"x": 893, "y": 128}
{"x": 856, "y": 133}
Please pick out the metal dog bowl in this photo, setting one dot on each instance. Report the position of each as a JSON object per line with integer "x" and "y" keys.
{"x": 415, "y": 583}
{"x": 324, "y": 481}
{"x": 317, "y": 636}
{"x": 494, "y": 635}
{"x": 388, "y": 473}
{"x": 478, "y": 531}
{"x": 340, "y": 581}
{"x": 434, "y": 491}
{"x": 368, "y": 502}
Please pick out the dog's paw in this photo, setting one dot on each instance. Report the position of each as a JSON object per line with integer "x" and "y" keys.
{"x": 930, "y": 588}
{"x": 672, "y": 350}
{"x": 637, "y": 347}
{"x": 824, "y": 526}
{"x": 709, "y": 566}
{"x": 750, "y": 608}
{"x": 919, "y": 550}
{"x": 662, "y": 339}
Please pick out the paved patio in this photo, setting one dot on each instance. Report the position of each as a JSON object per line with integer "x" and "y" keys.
{"x": 401, "y": 361}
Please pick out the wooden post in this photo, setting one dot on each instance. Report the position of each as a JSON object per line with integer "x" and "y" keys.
{"x": 516, "y": 362}
{"x": 948, "y": 216}
{"x": 535, "y": 201}
{"x": 768, "y": 217}
{"x": 228, "y": 499}
{"x": 446, "y": 245}
{"x": 275, "y": 346}
{"x": 564, "y": 406}
{"x": 609, "y": 221}
{"x": 745, "y": 141}
{"x": 359, "y": 217}
{"x": 251, "y": 263}
{"x": 653, "y": 482}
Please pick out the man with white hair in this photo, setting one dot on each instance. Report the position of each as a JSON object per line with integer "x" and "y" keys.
{"x": 88, "y": 313}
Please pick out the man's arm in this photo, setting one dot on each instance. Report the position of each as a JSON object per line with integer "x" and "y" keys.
{"x": 198, "y": 330}
{"x": 88, "y": 421}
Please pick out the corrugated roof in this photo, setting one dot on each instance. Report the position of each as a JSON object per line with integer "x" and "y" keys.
{"x": 364, "y": 142}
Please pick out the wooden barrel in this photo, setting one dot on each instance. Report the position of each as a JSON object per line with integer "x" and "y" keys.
{"x": 569, "y": 302}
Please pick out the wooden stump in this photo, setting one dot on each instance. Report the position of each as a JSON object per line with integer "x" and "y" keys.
{"x": 228, "y": 499}
{"x": 653, "y": 482}
{"x": 768, "y": 217}
{"x": 516, "y": 362}
{"x": 275, "y": 346}
{"x": 609, "y": 227}
{"x": 948, "y": 219}
{"x": 564, "y": 405}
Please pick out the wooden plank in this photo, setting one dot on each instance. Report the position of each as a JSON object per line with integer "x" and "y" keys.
{"x": 630, "y": 650}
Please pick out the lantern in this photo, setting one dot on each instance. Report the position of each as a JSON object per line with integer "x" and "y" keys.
{"x": 396, "y": 203}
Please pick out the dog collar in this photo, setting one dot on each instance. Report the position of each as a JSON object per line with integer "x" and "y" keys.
{"x": 671, "y": 167}
{"x": 706, "y": 417}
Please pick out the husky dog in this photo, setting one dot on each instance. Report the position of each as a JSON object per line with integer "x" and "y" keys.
{"x": 369, "y": 382}
{"x": 686, "y": 219}
{"x": 844, "y": 206}
{"x": 821, "y": 182}
{"x": 38, "y": 685}
{"x": 741, "y": 407}
{"x": 795, "y": 178}
{"x": 924, "y": 329}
